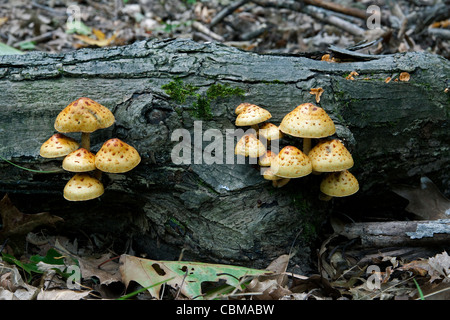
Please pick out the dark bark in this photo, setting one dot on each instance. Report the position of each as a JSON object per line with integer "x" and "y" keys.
{"x": 395, "y": 131}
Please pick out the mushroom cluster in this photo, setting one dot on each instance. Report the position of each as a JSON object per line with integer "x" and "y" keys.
{"x": 115, "y": 156}
{"x": 306, "y": 121}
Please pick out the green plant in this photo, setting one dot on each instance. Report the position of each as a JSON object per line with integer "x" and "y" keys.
{"x": 31, "y": 170}
{"x": 179, "y": 91}
{"x": 201, "y": 107}
{"x": 52, "y": 258}
{"x": 419, "y": 290}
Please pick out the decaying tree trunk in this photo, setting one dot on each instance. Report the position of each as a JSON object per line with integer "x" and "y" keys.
{"x": 399, "y": 233}
{"x": 396, "y": 132}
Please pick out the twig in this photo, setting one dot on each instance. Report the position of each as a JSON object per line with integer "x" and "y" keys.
{"x": 439, "y": 33}
{"x": 338, "y": 8}
{"x": 227, "y": 11}
{"x": 40, "y": 38}
{"x": 328, "y": 17}
{"x": 203, "y": 29}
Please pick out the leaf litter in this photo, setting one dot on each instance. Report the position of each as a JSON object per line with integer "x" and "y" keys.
{"x": 388, "y": 273}
{"x": 60, "y": 269}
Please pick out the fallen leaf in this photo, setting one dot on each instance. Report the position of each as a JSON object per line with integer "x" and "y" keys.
{"x": 440, "y": 265}
{"x": 101, "y": 40}
{"x": 271, "y": 287}
{"x": 425, "y": 201}
{"x": 184, "y": 276}
{"x": 107, "y": 273}
{"x": 388, "y": 79}
{"x": 16, "y": 223}
{"x": 64, "y": 294}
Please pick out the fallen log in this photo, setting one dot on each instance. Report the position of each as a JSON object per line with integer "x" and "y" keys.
{"x": 396, "y": 132}
{"x": 398, "y": 233}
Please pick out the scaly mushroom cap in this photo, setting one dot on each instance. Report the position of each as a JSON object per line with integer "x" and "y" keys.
{"x": 84, "y": 115}
{"x": 241, "y": 107}
{"x": 250, "y": 146}
{"x": 330, "y": 156}
{"x": 116, "y": 156}
{"x": 83, "y": 187}
{"x": 269, "y": 175}
{"x": 270, "y": 131}
{"x": 266, "y": 159}
{"x": 58, "y": 145}
{"x": 79, "y": 160}
{"x": 308, "y": 121}
{"x": 291, "y": 163}
{"x": 251, "y": 115}
{"x": 339, "y": 184}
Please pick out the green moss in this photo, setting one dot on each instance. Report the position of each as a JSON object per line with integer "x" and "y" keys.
{"x": 201, "y": 107}
{"x": 179, "y": 91}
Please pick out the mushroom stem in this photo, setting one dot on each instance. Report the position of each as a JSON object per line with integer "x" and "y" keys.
{"x": 282, "y": 182}
{"x": 306, "y": 145}
{"x": 85, "y": 141}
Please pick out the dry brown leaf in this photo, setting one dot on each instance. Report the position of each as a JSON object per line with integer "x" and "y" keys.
{"x": 3, "y": 20}
{"x": 271, "y": 287}
{"x": 440, "y": 265}
{"x": 101, "y": 40}
{"x": 107, "y": 273}
{"x": 16, "y": 223}
{"x": 425, "y": 201}
{"x": 388, "y": 79}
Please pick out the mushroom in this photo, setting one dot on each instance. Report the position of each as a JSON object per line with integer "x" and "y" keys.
{"x": 58, "y": 145}
{"x": 270, "y": 131}
{"x": 266, "y": 159}
{"x": 277, "y": 181}
{"x": 338, "y": 184}
{"x": 79, "y": 160}
{"x": 330, "y": 156}
{"x": 252, "y": 115}
{"x": 291, "y": 162}
{"x": 241, "y": 107}
{"x": 83, "y": 187}
{"x": 86, "y": 116}
{"x": 250, "y": 146}
{"x": 116, "y": 156}
{"x": 307, "y": 121}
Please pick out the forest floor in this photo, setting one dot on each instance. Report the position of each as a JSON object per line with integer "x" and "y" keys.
{"x": 263, "y": 26}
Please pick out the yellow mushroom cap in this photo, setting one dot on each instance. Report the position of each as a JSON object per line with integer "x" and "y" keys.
{"x": 84, "y": 115}
{"x": 116, "y": 156}
{"x": 83, "y": 187}
{"x": 269, "y": 175}
{"x": 266, "y": 159}
{"x": 241, "y": 107}
{"x": 308, "y": 121}
{"x": 270, "y": 131}
{"x": 80, "y": 160}
{"x": 329, "y": 156}
{"x": 251, "y": 115}
{"x": 250, "y": 146}
{"x": 339, "y": 184}
{"x": 58, "y": 145}
{"x": 291, "y": 163}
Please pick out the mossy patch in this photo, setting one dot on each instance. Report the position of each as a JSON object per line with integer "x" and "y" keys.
{"x": 201, "y": 107}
